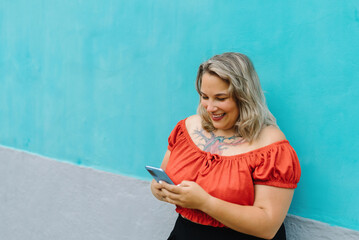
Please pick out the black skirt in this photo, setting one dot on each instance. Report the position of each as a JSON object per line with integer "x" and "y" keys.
{"x": 187, "y": 230}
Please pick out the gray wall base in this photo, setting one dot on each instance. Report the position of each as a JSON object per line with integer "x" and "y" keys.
{"x": 299, "y": 228}
{"x": 43, "y": 199}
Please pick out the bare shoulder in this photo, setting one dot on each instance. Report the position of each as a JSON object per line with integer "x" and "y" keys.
{"x": 270, "y": 134}
{"x": 193, "y": 122}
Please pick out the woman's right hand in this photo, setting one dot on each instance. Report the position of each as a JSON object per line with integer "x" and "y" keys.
{"x": 156, "y": 189}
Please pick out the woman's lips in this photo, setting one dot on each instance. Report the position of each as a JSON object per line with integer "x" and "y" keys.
{"x": 217, "y": 117}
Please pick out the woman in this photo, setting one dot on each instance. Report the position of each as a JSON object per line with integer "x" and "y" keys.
{"x": 235, "y": 170}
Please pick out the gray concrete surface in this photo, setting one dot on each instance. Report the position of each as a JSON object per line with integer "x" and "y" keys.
{"x": 41, "y": 198}
{"x": 299, "y": 228}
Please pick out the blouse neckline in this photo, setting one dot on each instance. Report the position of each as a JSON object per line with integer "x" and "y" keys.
{"x": 240, "y": 155}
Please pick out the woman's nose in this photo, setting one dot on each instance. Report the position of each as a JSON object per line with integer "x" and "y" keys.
{"x": 211, "y": 107}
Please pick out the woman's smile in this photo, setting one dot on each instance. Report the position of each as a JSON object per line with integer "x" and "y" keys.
{"x": 217, "y": 117}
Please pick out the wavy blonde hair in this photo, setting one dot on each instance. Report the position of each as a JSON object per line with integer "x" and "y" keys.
{"x": 244, "y": 87}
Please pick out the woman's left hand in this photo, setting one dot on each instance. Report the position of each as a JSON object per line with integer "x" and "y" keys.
{"x": 187, "y": 194}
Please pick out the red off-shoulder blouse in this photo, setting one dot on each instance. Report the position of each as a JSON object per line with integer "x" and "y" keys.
{"x": 230, "y": 178}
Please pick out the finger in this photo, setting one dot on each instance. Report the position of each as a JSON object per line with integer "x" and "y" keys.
{"x": 161, "y": 196}
{"x": 170, "y": 195}
{"x": 186, "y": 183}
{"x": 156, "y": 185}
{"x": 165, "y": 184}
{"x": 171, "y": 188}
{"x": 172, "y": 201}
{"x": 165, "y": 193}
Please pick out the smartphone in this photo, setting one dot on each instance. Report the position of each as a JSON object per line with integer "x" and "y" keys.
{"x": 159, "y": 175}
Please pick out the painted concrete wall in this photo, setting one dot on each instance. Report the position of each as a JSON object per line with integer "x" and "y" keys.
{"x": 101, "y": 84}
{"x": 43, "y": 199}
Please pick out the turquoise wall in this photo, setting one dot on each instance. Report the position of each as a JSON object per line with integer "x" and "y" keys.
{"x": 102, "y": 83}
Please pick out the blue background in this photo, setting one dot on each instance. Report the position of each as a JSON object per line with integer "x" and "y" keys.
{"x": 102, "y": 83}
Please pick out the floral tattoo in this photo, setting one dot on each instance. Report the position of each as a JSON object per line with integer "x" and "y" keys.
{"x": 216, "y": 144}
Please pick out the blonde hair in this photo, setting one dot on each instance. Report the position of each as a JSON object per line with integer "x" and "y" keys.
{"x": 244, "y": 87}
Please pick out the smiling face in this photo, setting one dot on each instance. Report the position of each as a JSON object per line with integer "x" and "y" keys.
{"x": 220, "y": 106}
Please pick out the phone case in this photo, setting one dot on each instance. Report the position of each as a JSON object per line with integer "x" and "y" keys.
{"x": 159, "y": 175}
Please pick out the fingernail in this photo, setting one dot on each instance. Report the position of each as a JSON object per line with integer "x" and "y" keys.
{"x": 160, "y": 182}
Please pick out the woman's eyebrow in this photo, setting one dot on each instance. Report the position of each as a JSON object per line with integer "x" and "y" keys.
{"x": 218, "y": 94}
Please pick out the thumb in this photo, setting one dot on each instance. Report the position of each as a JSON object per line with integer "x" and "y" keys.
{"x": 185, "y": 183}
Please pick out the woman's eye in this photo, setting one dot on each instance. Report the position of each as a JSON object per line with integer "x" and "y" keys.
{"x": 204, "y": 97}
{"x": 221, "y": 99}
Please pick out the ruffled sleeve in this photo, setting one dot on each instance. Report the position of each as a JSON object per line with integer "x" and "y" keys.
{"x": 278, "y": 166}
{"x": 172, "y": 139}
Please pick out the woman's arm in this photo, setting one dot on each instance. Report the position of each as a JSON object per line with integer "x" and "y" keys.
{"x": 263, "y": 219}
{"x": 165, "y": 159}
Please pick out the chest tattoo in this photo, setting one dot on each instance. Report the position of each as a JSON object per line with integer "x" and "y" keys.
{"x": 216, "y": 144}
